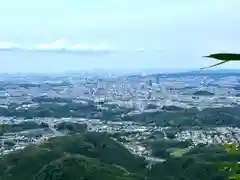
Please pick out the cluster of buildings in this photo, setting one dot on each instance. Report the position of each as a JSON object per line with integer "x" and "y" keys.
{"x": 133, "y": 134}
{"x": 218, "y": 135}
{"x": 130, "y": 91}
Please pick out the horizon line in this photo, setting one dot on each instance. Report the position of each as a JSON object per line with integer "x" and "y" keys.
{"x": 140, "y": 70}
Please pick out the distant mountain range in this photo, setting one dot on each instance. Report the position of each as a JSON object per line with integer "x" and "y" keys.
{"x": 221, "y": 72}
{"x": 225, "y": 72}
{"x": 135, "y": 72}
{"x": 212, "y": 73}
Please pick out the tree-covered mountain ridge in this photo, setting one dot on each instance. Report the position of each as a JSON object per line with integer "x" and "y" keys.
{"x": 96, "y": 156}
{"x": 88, "y": 156}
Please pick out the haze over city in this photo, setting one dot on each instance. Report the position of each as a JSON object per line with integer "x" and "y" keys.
{"x": 55, "y": 36}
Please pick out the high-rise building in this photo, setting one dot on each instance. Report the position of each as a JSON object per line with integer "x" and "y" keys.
{"x": 150, "y": 82}
{"x": 157, "y": 79}
{"x": 149, "y": 95}
{"x": 100, "y": 84}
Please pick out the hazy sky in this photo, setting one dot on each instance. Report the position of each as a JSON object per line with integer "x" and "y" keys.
{"x": 59, "y": 35}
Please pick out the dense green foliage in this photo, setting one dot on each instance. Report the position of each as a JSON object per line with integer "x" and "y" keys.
{"x": 45, "y": 99}
{"x": 224, "y": 116}
{"x": 160, "y": 147}
{"x": 72, "y": 167}
{"x": 172, "y": 108}
{"x": 185, "y": 169}
{"x": 95, "y": 156}
{"x": 71, "y": 127}
{"x": 52, "y": 109}
{"x": 173, "y": 116}
{"x": 203, "y": 93}
{"x": 27, "y": 125}
{"x": 212, "y": 153}
{"x": 19, "y": 165}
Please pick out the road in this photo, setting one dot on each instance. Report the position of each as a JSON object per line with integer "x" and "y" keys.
{"x": 153, "y": 159}
{"x": 56, "y": 133}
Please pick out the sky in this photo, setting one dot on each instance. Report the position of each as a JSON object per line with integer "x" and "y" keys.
{"x": 65, "y": 35}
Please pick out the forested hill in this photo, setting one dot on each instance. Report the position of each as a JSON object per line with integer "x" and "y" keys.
{"x": 88, "y": 156}
{"x": 95, "y": 156}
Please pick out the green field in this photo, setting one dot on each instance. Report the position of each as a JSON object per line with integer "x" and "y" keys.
{"x": 178, "y": 152}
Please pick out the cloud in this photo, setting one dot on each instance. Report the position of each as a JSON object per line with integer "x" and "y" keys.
{"x": 140, "y": 50}
{"x": 8, "y": 46}
{"x": 57, "y": 45}
{"x": 61, "y": 46}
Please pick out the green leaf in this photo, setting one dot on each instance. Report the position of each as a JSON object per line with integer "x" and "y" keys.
{"x": 234, "y": 177}
{"x": 224, "y": 57}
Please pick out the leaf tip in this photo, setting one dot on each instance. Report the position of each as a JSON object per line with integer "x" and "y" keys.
{"x": 206, "y": 56}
